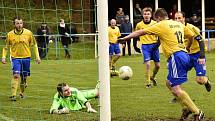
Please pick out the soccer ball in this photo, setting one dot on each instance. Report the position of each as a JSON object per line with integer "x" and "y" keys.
{"x": 125, "y": 72}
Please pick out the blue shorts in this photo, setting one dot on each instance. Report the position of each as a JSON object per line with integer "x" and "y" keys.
{"x": 114, "y": 48}
{"x": 21, "y": 66}
{"x": 151, "y": 52}
{"x": 200, "y": 69}
{"x": 178, "y": 66}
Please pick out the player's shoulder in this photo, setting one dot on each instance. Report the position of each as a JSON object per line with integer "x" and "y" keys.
{"x": 153, "y": 21}
{"x": 10, "y": 32}
{"x": 191, "y": 26}
{"x": 27, "y": 31}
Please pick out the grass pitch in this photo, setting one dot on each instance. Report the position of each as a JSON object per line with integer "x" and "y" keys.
{"x": 130, "y": 100}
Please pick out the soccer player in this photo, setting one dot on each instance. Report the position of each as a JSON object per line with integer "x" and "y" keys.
{"x": 113, "y": 34}
{"x": 149, "y": 47}
{"x": 71, "y": 99}
{"x": 171, "y": 35}
{"x": 194, "y": 52}
{"x": 19, "y": 42}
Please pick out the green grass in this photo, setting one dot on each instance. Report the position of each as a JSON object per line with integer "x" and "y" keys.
{"x": 130, "y": 100}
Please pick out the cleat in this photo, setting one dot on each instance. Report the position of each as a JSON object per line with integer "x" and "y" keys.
{"x": 154, "y": 81}
{"x": 114, "y": 73}
{"x": 208, "y": 86}
{"x": 13, "y": 98}
{"x": 113, "y": 68}
{"x": 199, "y": 117}
{"x": 148, "y": 86}
{"x": 21, "y": 95}
{"x": 185, "y": 114}
{"x": 174, "y": 100}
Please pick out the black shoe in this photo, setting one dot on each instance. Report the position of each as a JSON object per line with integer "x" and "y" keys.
{"x": 113, "y": 68}
{"x": 199, "y": 117}
{"x": 208, "y": 86}
{"x": 21, "y": 95}
{"x": 185, "y": 114}
{"x": 13, "y": 98}
{"x": 148, "y": 85}
{"x": 114, "y": 73}
{"x": 154, "y": 81}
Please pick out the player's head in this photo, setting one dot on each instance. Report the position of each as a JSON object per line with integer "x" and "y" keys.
{"x": 63, "y": 90}
{"x": 126, "y": 18}
{"x": 180, "y": 16}
{"x": 112, "y": 23}
{"x": 160, "y": 14}
{"x": 18, "y": 23}
{"x": 61, "y": 21}
{"x": 147, "y": 14}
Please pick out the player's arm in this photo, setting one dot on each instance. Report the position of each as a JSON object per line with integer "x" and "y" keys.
{"x": 55, "y": 106}
{"x": 200, "y": 40}
{"x": 35, "y": 49}
{"x": 132, "y": 35}
{"x": 5, "y": 50}
{"x": 83, "y": 100}
{"x": 196, "y": 35}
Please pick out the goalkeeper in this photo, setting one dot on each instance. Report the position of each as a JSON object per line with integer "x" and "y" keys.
{"x": 71, "y": 99}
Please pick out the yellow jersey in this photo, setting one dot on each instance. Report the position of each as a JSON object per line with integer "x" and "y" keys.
{"x": 20, "y": 44}
{"x": 171, "y": 34}
{"x": 113, "y": 34}
{"x": 194, "y": 48}
{"x": 146, "y": 39}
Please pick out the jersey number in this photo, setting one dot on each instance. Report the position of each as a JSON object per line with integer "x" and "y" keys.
{"x": 179, "y": 37}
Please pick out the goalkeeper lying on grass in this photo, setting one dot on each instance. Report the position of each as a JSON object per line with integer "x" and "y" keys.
{"x": 71, "y": 99}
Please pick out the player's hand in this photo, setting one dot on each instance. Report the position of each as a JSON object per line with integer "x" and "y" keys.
{"x": 67, "y": 34}
{"x": 38, "y": 60}
{"x": 201, "y": 61}
{"x": 3, "y": 60}
{"x": 120, "y": 40}
{"x": 64, "y": 111}
{"x": 91, "y": 110}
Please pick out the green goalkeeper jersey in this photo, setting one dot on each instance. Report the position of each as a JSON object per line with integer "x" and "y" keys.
{"x": 74, "y": 102}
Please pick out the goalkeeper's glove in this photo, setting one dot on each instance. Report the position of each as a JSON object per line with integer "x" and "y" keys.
{"x": 91, "y": 110}
{"x": 61, "y": 111}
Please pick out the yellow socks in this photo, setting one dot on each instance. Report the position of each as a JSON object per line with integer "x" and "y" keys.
{"x": 148, "y": 77}
{"x": 185, "y": 100}
{"x": 14, "y": 86}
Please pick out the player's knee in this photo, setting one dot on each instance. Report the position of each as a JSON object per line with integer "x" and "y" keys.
{"x": 157, "y": 66}
{"x": 201, "y": 80}
{"x": 16, "y": 76}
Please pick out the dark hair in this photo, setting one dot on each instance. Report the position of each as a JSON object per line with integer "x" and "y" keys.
{"x": 60, "y": 88}
{"x": 17, "y": 17}
{"x": 160, "y": 12}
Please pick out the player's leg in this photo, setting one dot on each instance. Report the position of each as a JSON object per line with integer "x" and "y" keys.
{"x": 156, "y": 58}
{"x": 178, "y": 66}
{"x": 201, "y": 77}
{"x": 129, "y": 47}
{"x": 123, "y": 49}
{"x": 146, "y": 51}
{"x": 16, "y": 67}
{"x": 25, "y": 75}
{"x": 90, "y": 94}
{"x": 111, "y": 52}
{"x": 117, "y": 54}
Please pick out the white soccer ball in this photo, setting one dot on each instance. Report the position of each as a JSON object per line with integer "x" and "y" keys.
{"x": 125, "y": 72}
